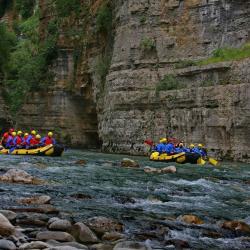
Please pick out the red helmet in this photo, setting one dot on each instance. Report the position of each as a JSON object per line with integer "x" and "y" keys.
{"x": 11, "y": 130}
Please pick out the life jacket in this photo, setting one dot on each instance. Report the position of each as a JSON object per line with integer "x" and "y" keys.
{"x": 29, "y": 138}
{"x": 25, "y": 140}
{"x": 48, "y": 140}
{"x": 18, "y": 140}
{"x": 34, "y": 141}
{"x": 10, "y": 141}
{"x": 5, "y": 137}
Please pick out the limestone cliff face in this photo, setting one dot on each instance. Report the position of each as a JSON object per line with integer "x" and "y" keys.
{"x": 149, "y": 39}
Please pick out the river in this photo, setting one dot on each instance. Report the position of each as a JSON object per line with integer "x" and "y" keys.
{"x": 143, "y": 202}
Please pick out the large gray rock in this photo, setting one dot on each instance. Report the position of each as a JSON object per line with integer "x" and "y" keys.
{"x": 6, "y": 228}
{"x": 131, "y": 245}
{"x": 129, "y": 163}
{"x": 34, "y": 245}
{"x": 36, "y": 200}
{"x": 7, "y": 245}
{"x": 83, "y": 234}
{"x": 169, "y": 169}
{"x": 61, "y": 225}
{"x": 9, "y": 214}
{"x": 59, "y": 236}
{"x": 101, "y": 225}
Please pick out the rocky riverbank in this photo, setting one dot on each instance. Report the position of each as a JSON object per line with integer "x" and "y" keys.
{"x": 104, "y": 202}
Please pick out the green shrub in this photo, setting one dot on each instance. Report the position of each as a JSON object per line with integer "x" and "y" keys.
{"x": 143, "y": 19}
{"x": 104, "y": 19}
{"x": 102, "y": 67}
{"x": 147, "y": 44}
{"x": 185, "y": 64}
{"x": 65, "y": 8}
{"x": 228, "y": 54}
{"x": 169, "y": 82}
{"x": 25, "y": 7}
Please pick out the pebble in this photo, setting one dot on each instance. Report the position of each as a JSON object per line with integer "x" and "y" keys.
{"x": 7, "y": 245}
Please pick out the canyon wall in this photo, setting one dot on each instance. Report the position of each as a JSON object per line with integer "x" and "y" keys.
{"x": 151, "y": 40}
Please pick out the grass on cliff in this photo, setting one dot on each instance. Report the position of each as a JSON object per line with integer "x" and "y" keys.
{"x": 169, "y": 82}
{"x": 227, "y": 54}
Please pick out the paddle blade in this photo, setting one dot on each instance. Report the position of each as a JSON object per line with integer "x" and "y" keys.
{"x": 201, "y": 162}
{"x": 213, "y": 161}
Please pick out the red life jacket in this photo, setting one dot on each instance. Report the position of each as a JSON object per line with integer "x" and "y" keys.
{"x": 48, "y": 140}
{"x": 34, "y": 141}
{"x": 18, "y": 140}
{"x": 5, "y": 137}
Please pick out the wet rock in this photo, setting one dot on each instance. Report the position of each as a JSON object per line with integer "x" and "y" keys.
{"x": 61, "y": 225}
{"x": 101, "y": 225}
{"x": 81, "y": 162}
{"x": 81, "y": 196}
{"x": 179, "y": 244}
{"x": 151, "y": 170}
{"x": 43, "y": 209}
{"x": 7, "y": 245}
{"x": 128, "y": 163}
{"x": 169, "y": 169}
{"x": 54, "y": 243}
{"x": 102, "y": 246}
{"x": 19, "y": 176}
{"x": 59, "y": 236}
{"x": 9, "y": 214}
{"x": 36, "y": 200}
{"x": 113, "y": 236}
{"x": 83, "y": 234}
{"x": 6, "y": 228}
{"x": 213, "y": 235}
{"x": 34, "y": 245}
{"x": 131, "y": 245}
{"x": 33, "y": 219}
{"x": 237, "y": 226}
{"x": 190, "y": 219}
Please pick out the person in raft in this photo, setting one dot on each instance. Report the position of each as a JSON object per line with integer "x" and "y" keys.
{"x": 6, "y": 136}
{"x": 47, "y": 140}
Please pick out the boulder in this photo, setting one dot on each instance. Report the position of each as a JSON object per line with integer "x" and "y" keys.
{"x": 36, "y": 200}
{"x": 151, "y": 170}
{"x": 7, "y": 245}
{"x": 101, "y": 225}
{"x": 34, "y": 245}
{"x": 61, "y": 225}
{"x": 6, "y": 228}
{"x": 237, "y": 226}
{"x": 83, "y": 234}
{"x": 9, "y": 214}
{"x": 128, "y": 163}
{"x": 190, "y": 219}
{"x": 131, "y": 245}
{"x": 102, "y": 246}
{"x": 19, "y": 176}
{"x": 113, "y": 236}
{"x": 169, "y": 169}
{"x": 59, "y": 236}
{"x": 54, "y": 243}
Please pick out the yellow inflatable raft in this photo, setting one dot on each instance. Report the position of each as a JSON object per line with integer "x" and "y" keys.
{"x": 49, "y": 150}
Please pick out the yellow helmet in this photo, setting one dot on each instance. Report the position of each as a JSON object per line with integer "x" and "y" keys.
{"x": 200, "y": 145}
{"x": 191, "y": 145}
{"x": 38, "y": 136}
{"x": 163, "y": 140}
{"x": 50, "y": 134}
{"x": 13, "y": 133}
{"x": 26, "y": 134}
{"x": 19, "y": 132}
{"x": 33, "y": 132}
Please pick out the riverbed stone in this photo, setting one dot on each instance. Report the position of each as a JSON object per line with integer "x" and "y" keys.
{"x": 237, "y": 226}
{"x": 59, "y": 236}
{"x": 9, "y": 214}
{"x": 129, "y": 163}
{"x": 61, "y": 225}
{"x": 113, "y": 236}
{"x": 169, "y": 169}
{"x": 83, "y": 234}
{"x": 190, "y": 219}
{"x": 54, "y": 243}
{"x": 131, "y": 245}
{"x": 102, "y": 246}
{"x": 34, "y": 245}
{"x": 101, "y": 225}
{"x": 6, "y": 228}
{"x": 152, "y": 170}
{"x": 35, "y": 200}
{"x": 19, "y": 176}
{"x": 7, "y": 245}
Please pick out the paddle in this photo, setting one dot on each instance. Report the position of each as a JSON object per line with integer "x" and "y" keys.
{"x": 213, "y": 161}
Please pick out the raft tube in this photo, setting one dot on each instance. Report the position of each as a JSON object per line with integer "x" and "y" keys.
{"x": 49, "y": 150}
{"x": 181, "y": 158}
